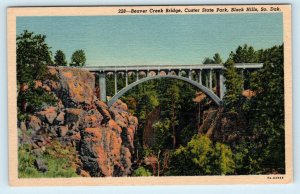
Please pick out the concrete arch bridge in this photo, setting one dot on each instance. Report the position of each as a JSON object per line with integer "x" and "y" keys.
{"x": 195, "y": 75}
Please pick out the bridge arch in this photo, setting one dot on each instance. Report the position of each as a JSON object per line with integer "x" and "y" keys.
{"x": 204, "y": 89}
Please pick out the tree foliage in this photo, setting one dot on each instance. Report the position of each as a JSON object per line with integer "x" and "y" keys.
{"x": 234, "y": 85}
{"x": 202, "y": 157}
{"x": 78, "y": 58}
{"x": 33, "y": 57}
{"x": 266, "y": 110}
{"x": 261, "y": 150}
{"x": 60, "y": 58}
{"x": 217, "y": 59}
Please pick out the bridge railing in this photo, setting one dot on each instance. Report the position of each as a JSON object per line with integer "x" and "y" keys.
{"x": 171, "y": 67}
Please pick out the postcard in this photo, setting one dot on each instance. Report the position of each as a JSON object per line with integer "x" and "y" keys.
{"x": 150, "y": 95}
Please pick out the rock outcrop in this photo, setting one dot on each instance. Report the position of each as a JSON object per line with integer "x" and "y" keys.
{"x": 102, "y": 136}
{"x": 221, "y": 126}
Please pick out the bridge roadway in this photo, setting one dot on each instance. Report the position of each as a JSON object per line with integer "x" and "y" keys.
{"x": 171, "y": 71}
{"x": 170, "y": 67}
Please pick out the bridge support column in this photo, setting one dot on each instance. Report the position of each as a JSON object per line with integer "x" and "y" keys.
{"x": 210, "y": 79}
{"x": 200, "y": 77}
{"x": 206, "y": 79}
{"x": 190, "y": 74}
{"x": 126, "y": 77}
{"x": 179, "y": 72}
{"x": 222, "y": 86}
{"x": 116, "y": 83}
{"x": 243, "y": 77}
{"x": 137, "y": 75}
{"x": 102, "y": 86}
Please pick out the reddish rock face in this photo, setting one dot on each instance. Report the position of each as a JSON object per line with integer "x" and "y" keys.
{"x": 102, "y": 136}
{"x": 77, "y": 85}
{"x": 48, "y": 114}
{"x": 106, "y": 147}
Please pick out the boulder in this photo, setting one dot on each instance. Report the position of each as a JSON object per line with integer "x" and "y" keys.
{"x": 23, "y": 126}
{"x": 40, "y": 165}
{"x": 34, "y": 123}
{"x": 37, "y": 84}
{"x": 120, "y": 105}
{"x": 73, "y": 115}
{"x": 60, "y": 119}
{"x": 48, "y": 115}
{"x": 62, "y": 131}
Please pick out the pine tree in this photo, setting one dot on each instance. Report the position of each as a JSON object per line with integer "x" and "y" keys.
{"x": 33, "y": 57}
{"x": 217, "y": 59}
{"x": 60, "y": 58}
{"x": 78, "y": 58}
{"x": 234, "y": 86}
{"x": 267, "y": 111}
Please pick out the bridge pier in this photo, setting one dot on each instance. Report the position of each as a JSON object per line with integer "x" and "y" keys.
{"x": 200, "y": 77}
{"x": 190, "y": 74}
{"x": 102, "y": 86}
{"x": 243, "y": 78}
{"x": 126, "y": 78}
{"x": 210, "y": 79}
{"x": 222, "y": 86}
{"x": 116, "y": 83}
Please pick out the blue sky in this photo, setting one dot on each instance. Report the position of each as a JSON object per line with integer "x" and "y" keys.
{"x": 155, "y": 39}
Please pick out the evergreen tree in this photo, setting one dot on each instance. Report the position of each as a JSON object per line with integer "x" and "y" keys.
{"x": 266, "y": 111}
{"x": 245, "y": 54}
{"x": 33, "y": 57}
{"x": 78, "y": 58}
{"x": 234, "y": 86}
{"x": 217, "y": 59}
{"x": 208, "y": 61}
{"x": 60, "y": 58}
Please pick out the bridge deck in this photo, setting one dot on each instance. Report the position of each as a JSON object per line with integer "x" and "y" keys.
{"x": 171, "y": 67}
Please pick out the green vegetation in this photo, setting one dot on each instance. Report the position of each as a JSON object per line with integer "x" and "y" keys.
{"x": 234, "y": 86}
{"x": 266, "y": 111}
{"x": 33, "y": 57}
{"x": 261, "y": 149}
{"x": 78, "y": 58}
{"x": 56, "y": 157}
{"x": 141, "y": 171}
{"x": 202, "y": 157}
{"x": 60, "y": 58}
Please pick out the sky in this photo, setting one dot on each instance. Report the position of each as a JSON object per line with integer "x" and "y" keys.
{"x": 155, "y": 39}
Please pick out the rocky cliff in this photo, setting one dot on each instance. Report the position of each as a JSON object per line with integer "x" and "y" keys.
{"x": 222, "y": 126}
{"x": 101, "y": 137}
